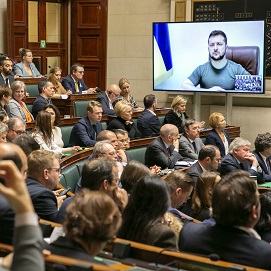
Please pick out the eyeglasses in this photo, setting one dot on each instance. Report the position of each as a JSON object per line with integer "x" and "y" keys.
{"x": 18, "y": 132}
{"x": 58, "y": 170}
{"x": 81, "y": 72}
{"x": 19, "y": 91}
{"x": 125, "y": 140}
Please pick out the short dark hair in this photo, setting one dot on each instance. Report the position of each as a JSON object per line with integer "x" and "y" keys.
{"x": 75, "y": 66}
{"x": 95, "y": 172}
{"x": 207, "y": 151}
{"x": 262, "y": 142}
{"x": 149, "y": 100}
{"x": 233, "y": 197}
{"x": 42, "y": 84}
{"x": 216, "y": 33}
{"x": 264, "y": 223}
{"x": 186, "y": 124}
{"x": 26, "y": 143}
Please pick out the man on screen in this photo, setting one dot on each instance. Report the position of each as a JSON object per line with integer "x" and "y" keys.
{"x": 218, "y": 74}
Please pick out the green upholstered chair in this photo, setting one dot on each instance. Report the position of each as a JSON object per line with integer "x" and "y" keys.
{"x": 32, "y": 89}
{"x": 80, "y": 108}
{"x": 71, "y": 175}
{"x": 66, "y": 131}
{"x": 138, "y": 154}
{"x": 161, "y": 119}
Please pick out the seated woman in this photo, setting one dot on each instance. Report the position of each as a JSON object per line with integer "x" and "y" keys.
{"x": 143, "y": 217}
{"x": 218, "y": 136}
{"x": 263, "y": 226}
{"x": 55, "y": 119}
{"x": 125, "y": 94}
{"x": 91, "y": 221}
{"x": 200, "y": 205}
{"x": 177, "y": 114}
{"x": 26, "y": 68}
{"x": 43, "y": 134}
{"x": 5, "y": 96}
{"x": 16, "y": 105}
{"x": 3, "y": 132}
{"x": 54, "y": 77}
{"x": 124, "y": 121}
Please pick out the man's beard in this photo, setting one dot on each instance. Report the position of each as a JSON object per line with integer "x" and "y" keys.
{"x": 7, "y": 73}
{"x": 217, "y": 58}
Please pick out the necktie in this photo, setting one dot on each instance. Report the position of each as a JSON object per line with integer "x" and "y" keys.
{"x": 168, "y": 152}
{"x": 268, "y": 164}
{"x": 194, "y": 146}
{"x": 7, "y": 82}
{"x": 94, "y": 131}
{"x": 76, "y": 86}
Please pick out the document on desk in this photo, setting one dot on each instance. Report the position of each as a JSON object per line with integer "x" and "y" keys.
{"x": 267, "y": 185}
{"x": 185, "y": 163}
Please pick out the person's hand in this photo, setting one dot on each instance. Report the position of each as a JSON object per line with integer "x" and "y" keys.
{"x": 15, "y": 189}
{"x": 251, "y": 158}
{"x": 58, "y": 192}
{"x": 216, "y": 88}
{"x": 60, "y": 200}
{"x": 7, "y": 260}
{"x": 75, "y": 148}
{"x": 120, "y": 197}
{"x": 16, "y": 76}
{"x": 69, "y": 92}
{"x": 91, "y": 90}
{"x": 121, "y": 154}
{"x": 155, "y": 170}
{"x": 176, "y": 143}
{"x": 127, "y": 122}
{"x": 201, "y": 124}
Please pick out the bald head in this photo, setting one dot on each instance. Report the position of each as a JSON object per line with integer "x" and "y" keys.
{"x": 168, "y": 129}
{"x": 108, "y": 135}
{"x": 113, "y": 91}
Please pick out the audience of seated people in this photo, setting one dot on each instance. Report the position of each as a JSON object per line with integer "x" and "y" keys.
{"x": 16, "y": 127}
{"x": 26, "y": 68}
{"x": 143, "y": 217}
{"x": 54, "y": 77}
{"x": 75, "y": 82}
{"x": 236, "y": 210}
{"x": 43, "y": 134}
{"x": 190, "y": 143}
{"x": 5, "y": 96}
{"x": 209, "y": 160}
{"x": 99, "y": 174}
{"x": 46, "y": 93}
{"x": 84, "y": 133}
{"x": 16, "y": 105}
{"x": 199, "y": 207}
{"x": 92, "y": 219}
{"x": 218, "y": 136}
{"x": 240, "y": 157}
{"x": 262, "y": 153}
{"x": 148, "y": 123}
{"x": 125, "y": 94}
{"x": 108, "y": 99}
{"x": 123, "y": 120}
{"x": 177, "y": 114}
{"x": 6, "y": 77}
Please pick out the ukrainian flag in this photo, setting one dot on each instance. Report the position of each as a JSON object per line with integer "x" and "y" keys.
{"x": 162, "y": 60}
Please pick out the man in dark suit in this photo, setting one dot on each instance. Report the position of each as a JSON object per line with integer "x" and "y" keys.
{"x": 75, "y": 83}
{"x": 148, "y": 123}
{"x": 239, "y": 157}
{"x": 6, "y": 77}
{"x": 85, "y": 131}
{"x": 190, "y": 143}
{"x": 208, "y": 160}
{"x": 164, "y": 150}
{"x": 236, "y": 210}
{"x": 108, "y": 99}
{"x": 262, "y": 153}
{"x": 42, "y": 177}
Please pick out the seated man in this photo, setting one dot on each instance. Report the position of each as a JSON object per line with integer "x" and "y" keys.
{"x": 6, "y": 77}
{"x": 236, "y": 210}
{"x": 148, "y": 123}
{"x": 190, "y": 143}
{"x": 16, "y": 127}
{"x": 239, "y": 157}
{"x": 74, "y": 82}
{"x": 108, "y": 99}
{"x": 84, "y": 132}
{"x": 164, "y": 150}
{"x": 99, "y": 175}
{"x": 181, "y": 187}
{"x": 262, "y": 153}
{"x": 208, "y": 160}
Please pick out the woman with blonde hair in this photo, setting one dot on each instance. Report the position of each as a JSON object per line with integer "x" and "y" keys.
{"x": 125, "y": 94}
{"x": 54, "y": 77}
{"x": 218, "y": 137}
{"x": 26, "y": 68}
{"x": 124, "y": 121}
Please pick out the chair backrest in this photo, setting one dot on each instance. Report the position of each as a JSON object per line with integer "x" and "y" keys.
{"x": 247, "y": 56}
{"x": 71, "y": 177}
{"x": 29, "y": 107}
{"x": 32, "y": 89}
{"x": 66, "y": 132}
{"x": 137, "y": 154}
{"x": 80, "y": 108}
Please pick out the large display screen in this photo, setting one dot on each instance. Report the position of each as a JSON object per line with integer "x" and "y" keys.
{"x": 209, "y": 56}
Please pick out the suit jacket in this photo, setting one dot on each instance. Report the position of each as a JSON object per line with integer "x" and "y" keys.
{"x": 119, "y": 123}
{"x": 17, "y": 111}
{"x": 214, "y": 139}
{"x": 172, "y": 118}
{"x": 157, "y": 154}
{"x": 68, "y": 84}
{"x": 83, "y": 134}
{"x": 148, "y": 124}
{"x": 194, "y": 171}
{"x": 43, "y": 199}
{"x": 10, "y": 79}
{"x": 187, "y": 149}
{"x": 231, "y": 244}
{"x": 104, "y": 101}
{"x": 229, "y": 163}
{"x": 19, "y": 69}
{"x": 39, "y": 104}
{"x": 266, "y": 175}
{"x": 7, "y": 109}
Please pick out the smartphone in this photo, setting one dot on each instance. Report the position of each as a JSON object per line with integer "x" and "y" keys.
{"x": 65, "y": 191}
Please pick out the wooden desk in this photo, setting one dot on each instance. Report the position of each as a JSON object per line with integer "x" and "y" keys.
{"x": 29, "y": 80}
